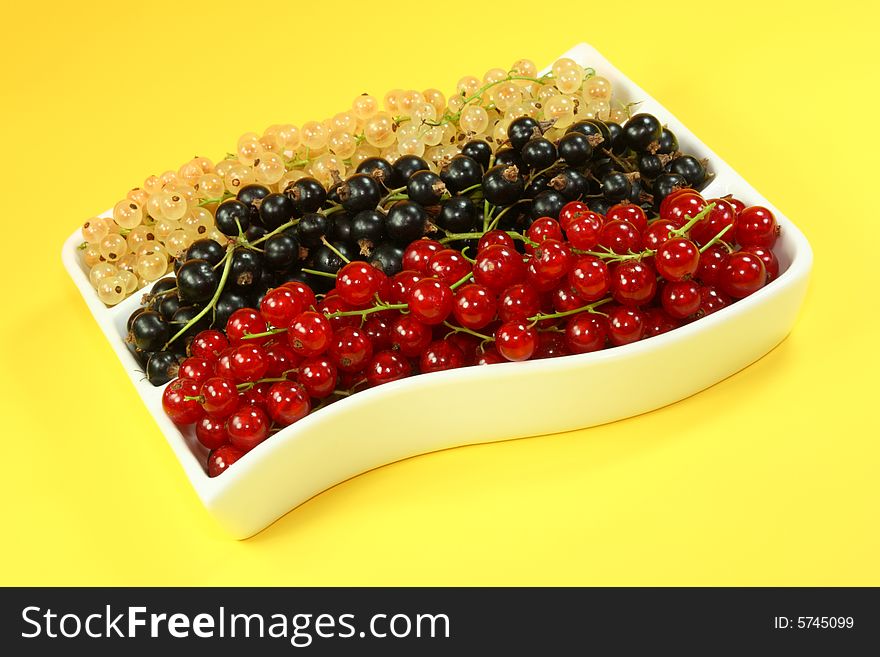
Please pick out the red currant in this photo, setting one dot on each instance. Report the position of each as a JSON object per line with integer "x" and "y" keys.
{"x": 223, "y": 367}
{"x": 494, "y": 237}
{"x": 738, "y": 206}
{"x": 410, "y": 336}
{"x": 625, "y": 325}
{"x": 712, "y": 300}
{"x": 279, "y": 306}
{"x": 221, "y": 458}
{"x": 552, "y": 260}
{"x": 719, "y": 218}
{"x": 288, "y": 402}
{"x": 430, "y": 301}
{"x": 771, "y": 264}
{"x": 468, "y": 344}
{"x": 378, "y": 329}
{"x": 196, "y": 369}
{"x": 402, "y": 283}
{"x": 220, "y": 396}
{"x": 256, "y": 396}
{"x": 565, "y": 299}
{"x": 418, "y": 254}
{"x": 743, "y": 275}
{"x": 318, "y": 375}
{"x": 176, "y": 405}
{"x": 657, "y": 322}
{"x": 302, "y": 292}
{"x": 551, "y": 344}
{"x": 628, "y": 212}
{"x": 249, "y": 363}
{"x": 677, "y": 259}
{"x": 332, "y": 304}
{"x": 516, "y": 340}
{"x": 247, "y": 427}
{"x": 490, "y": 356}
{"x": 712, "y": 261}
{"x": 589, "y": 277}
{"x": 657, "y": 232}
{"x": 351, "y": 349}
{"x": 620, "y": 237}
{"x": 633, "y": 283}
{"x": 756, "y": 226}
{"x": 246, "y": 321}
{"x": 387, "y": 366}
{"x": 211, "y": 432}
{"x": 682, "y": 207}
{"x": 586, "y": 332}
{"x": 449, "y": 266}
{"x": 474, "y": 306}
{"x": 518, "y": 302}
{"x": 208, "y": 344}
{"x": 583, "y": 230}
{"x": 498, "y": 267}
{"x": 680, "y": 299}
{"x": 357, "y": 283}
{"x": 571, "y": 210}
{"x": 310, "y": 334}
{"x": 441, "y": 355}
{"x": 544, "y": 228}
{"x": 281, "y": 359}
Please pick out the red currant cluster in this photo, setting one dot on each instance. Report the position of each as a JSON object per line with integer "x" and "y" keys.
{"x": 573, "y": 284}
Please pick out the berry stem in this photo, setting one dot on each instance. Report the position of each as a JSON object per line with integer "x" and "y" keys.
{"x": 565, "y": 313}
{"x": 461, "y": 281}
{"x": 367, "y": 311}
{"x": 334, "y": 249}
{"x": 717, "y": 238}
{"x": 611, "y": 256}
{"x": 204, "y": 311}
{"x": 392, "y": 192}
{"x": 315, "y": 272}
{"x": 462, "y": 329}
{"x": 280, "y": 229}
{"x": 264, "y": 334}
{"x": 682, "y": 232}
{"x": 219, "y": 199}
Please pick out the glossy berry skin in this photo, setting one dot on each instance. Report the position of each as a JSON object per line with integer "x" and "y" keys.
{"x": 220, "y": 396}
{"x": 478, "y": 150}
{"x": 405, "y": 222}
{"x": 360, "y": 192}
{"x": 516, "y": 340}
{"x": 658, "y": 322}
{"x": 518, "y": 302}
{"x": 712, "y": 261}
{"x": 149, "y": 331}
{"x": 494, "y": 237}
{"x": 402, "y": 283}
{"x": 332, "y": 304}
{"x": 498, "y": 267}
{"x": 521, "y": 130}
{"x": 221, "y": 458}
{"x": 232, "y": 217}
{"x": 474, "y": 306}
{"x": 538, "y": 153}
{"x": 720, "y": 217}
{"x": 641, "y": 131}
{"x": 630, "y": 212}
{"x": 223, "y": 366}
{"x": 551, "y": 345}
{"x": 449, "y": 266}
{"x": 503, "y": 184}
{"x": 351, "y": 349}
{"x": 378, "y": 328}
{"x": 457, "y": 214}
{"x": 197, "y": 281}
{"x": 545, "y": 228}
{"x": 657, "y": 232}
{"x": 625, "y": 325}
{"x": 712, "y": 300}
{"x": 461, "y": 172}
{"x": 309, "y": 334}
{"x": 430, "y": 301}
{"x": 211, "y": 432}
{"x": 408, "y": 165}
{"x": 756, "y": 226}
{"x": 196, "y": 369}
{"x": 357, "y": 283}
{"x": 489, "y": 356}
{"x": 275, "y": 210}
{"x": 387, "y": 366}
{"x": 162, "y": 366}
{"x": 441, "y": 355}
{"x": 633, "y": 283}
{"x": 307, "y": 194}
{"x": 302, "y": 292}
{"x": 552, "y": 260}
{"x": 566, "y": 299}
{"x": 589, "y": 277}
{"x": 246, "y": 321}
{"x": 280, "y": 252}
{"x": 682, "y": 207}
{"x": 418, "y": 254}
{"x": 175, "y": 404}
{"x": 620, "y": 237}
{"x": 287, "y": 402}
{"x": 771, "y": 264}
{"x": 247, "y": 427}
{"x": 410, "y": 336}
{"x": 583, "y": 230}
{"x": 571, "y": 210}
{"x": 680, "y": 299}
{"x": 281, "y": 359}
{"x": 279, "y": 306}
{"x": 318, "y": 376}
{"x": 575, "y": 149}
{"x": 256, "y": 396}
{"x": 586, "y": 332}
{"x": 677, "y": 259}
{"x": 249, "y": 363}
{"x": 744, "y": 274}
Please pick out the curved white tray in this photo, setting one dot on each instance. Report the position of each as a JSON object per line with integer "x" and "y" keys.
{"x": 517, "y": 400}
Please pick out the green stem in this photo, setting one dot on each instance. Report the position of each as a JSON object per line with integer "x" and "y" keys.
{"x": 583, "y": 309}
{"x": 717, "y": 238}
{"x": 315, "y": 272}
{"x": 280, "y": 229}
{"x": 681, "y": 232}
{"x": 392, "y": 192}
{"x": 611, "y": 256}
{"x": 464, "y": 279}
{"x": 367, "y": 311}
{"x": 219, "y": 199}
{"x": 264, "y": 334}
{"x": 334, "y": 249}
{"x": 226, "y": 267}
{"x": 462, "y": 329}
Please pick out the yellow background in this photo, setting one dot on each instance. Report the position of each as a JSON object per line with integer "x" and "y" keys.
{"x": 768, "y": 478}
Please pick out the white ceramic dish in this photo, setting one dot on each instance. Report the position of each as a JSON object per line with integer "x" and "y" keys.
{"x": 349, "y": 437}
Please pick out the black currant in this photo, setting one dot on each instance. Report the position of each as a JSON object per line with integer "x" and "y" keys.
{"x": 388, "y": 257}
{"x": 521, "y": 130}
{"x": 163, "y": 285}
{"x": 149, "y": 331}
{"x": 457, "y": 214}
{"x": 405, "y": 222}
{"x": 276, "y": 209}
{"x": 690, "y": 168}
{"x": 537, "y": 184}
{"x": 425, "y": 188}
{"x": 311, "y": 228}
{"x": 507, "y": 157}
{"x": 503, "y": 185}
{"x": 538, "y": 153}
{"x": 381, "y": 170}
{"x": 668, "y": 142}
{"x": 181, "y": 318}
{"x": 368, "y": 225}
{"x": 460, "y": 173}
{"x": 281, "y": 251}
{"x": 230, "y": 300}
{"x": 407, "y": 165}
{"x": 572, "y": 184}
{"x": 642, "y": 131}
{"x": 232, "y": 217}
{"x": 246, "y": 268}
{"x": 650, "y": 166}
{"x": 664, "y": 184}
{"x": 600, "y": 205}
{"x": 254, "y": 233}
{"x": 205, "y": 250}
{"x": 478, "y": 150}
{"x": 197, "y": 281}
{"x": 616, "y": 186}
{"x": 324, "y": 259}
{"x": 618, "y": 143}
{"x": 307, "y": 194}
{"x": 546, "y": 204}
{"x": 575, "y": 149}
{"x": 137, "y": 312}
{"x": 250, "y": 194}
{"x": 162, "y": 366}
{"x": 360, "y": 192}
